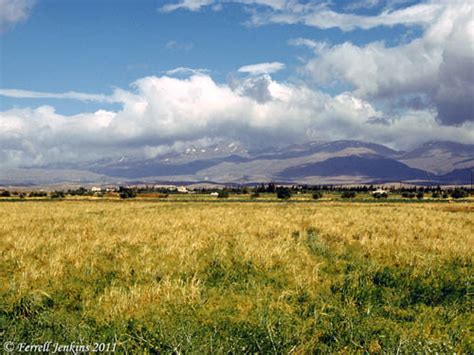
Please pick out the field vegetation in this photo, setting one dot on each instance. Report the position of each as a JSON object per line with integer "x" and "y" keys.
{"x": 267, "y": 277}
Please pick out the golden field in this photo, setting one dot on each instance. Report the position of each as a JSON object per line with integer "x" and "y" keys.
{"x": 267, "y": 277}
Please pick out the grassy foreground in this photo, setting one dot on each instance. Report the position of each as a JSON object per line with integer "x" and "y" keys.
{"x": 254, "y": 277}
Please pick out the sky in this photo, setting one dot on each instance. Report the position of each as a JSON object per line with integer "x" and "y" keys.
{"x": 82, "y": 80}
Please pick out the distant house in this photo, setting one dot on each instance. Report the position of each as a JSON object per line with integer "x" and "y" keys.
{"x": 182, "y": 189}
{"x": 214, "y": 194}
{"x": 380, "y": 193}
{"x": 167, "y": 187}
{"x": 95, "y": 189}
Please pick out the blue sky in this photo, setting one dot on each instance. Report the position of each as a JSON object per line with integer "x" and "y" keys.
{"x": 340, "y": 51}
{"x": 65, "y": 46}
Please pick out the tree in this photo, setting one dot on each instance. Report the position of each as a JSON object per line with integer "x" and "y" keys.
{"x": 283, "y": 193}
{"x": 125, "y": 192}
{"x": 38, "y": 194}
{"x": 222, "y": 194}
{"x": 420, "y": 195}
{"x": 459, "y": 193}
{"x": 348, "y": 194}
{"x": 58, "y": 194}
{"x": 317, "y": 195}
{"x": 271, "y": 188}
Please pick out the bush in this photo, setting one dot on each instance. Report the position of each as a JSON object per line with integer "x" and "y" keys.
{"x": 223, "y": 194}
{"x": 408, "y": 195}
{"x": 38, "y": 194}
{"x": 5, "y": 194}
{"x": 348, "y": 194}
{"x": 420, "y": 195}
{"x": 445, "y": 195}
{"x": 283, "y": 193}
{"x": 57, "y": 194}
{"x": 255, "y": 194}
{"x": 125, "y": 192}
{"x": 379, "y": 195}
{"x": 317, "y": 195}
{"x": 459, "y": 193}
{"x": 435, "y": 195}
{"x": 81, "y": 191}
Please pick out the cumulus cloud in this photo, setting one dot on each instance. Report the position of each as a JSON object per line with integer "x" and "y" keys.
{"x": 160, "y": 114}
{"x": 14, "y": 11}
{"x": 262, "y": 68}
{"x": 438, "y": 66}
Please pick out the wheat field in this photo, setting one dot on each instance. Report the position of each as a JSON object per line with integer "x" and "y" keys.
{"x": 274, "y": 277}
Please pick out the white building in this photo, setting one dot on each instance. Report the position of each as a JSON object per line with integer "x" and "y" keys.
{"x": 182, "y": 189}
{"x": 380, "y": 192}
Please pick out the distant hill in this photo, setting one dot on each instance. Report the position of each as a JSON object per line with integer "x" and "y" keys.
{"x": 370, "y": 167}
{"x": 343, "y": 161}
{"x": 440, "y": 157}
{"x": 458, "y": 176}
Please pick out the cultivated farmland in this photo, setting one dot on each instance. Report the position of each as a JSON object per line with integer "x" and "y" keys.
{"x": 268, "y": 277}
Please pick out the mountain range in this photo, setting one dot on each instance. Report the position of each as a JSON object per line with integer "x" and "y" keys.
{"x": 318, "y": 162}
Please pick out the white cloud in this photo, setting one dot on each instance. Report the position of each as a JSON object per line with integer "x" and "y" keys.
{"x": 362, "y": 4}
{"x": 262, "y": 68}
{"x": 179, "y": 46}
{"x": 192, "y": 5}
{"x": 196, "y": 5}
{"x": 319, "y": 14}
{"x": 25, "y": 94}
{"x": 186, "y": 71}
{"x": 438, "y": 66}
{"x": 305, "y": 42}
{"x": 162, "y": 113}
{"x": 14, "y": 11}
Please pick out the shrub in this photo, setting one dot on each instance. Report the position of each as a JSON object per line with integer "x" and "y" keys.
{"x": 445, "y": 195}
{"x": 57, "y": 194}
{"x": 459, "y": 193}
{"x": 348, "y": 194}
{"x": 317, "y": 195}
{"x": 408, "y": 195}
{"x": 283, "y": 193}
{"x": 420, "y": 195}
{"x": 379, "y": 195}
{"x": 5, "y": 194}
{"x": 255, "y": 194}
{"x": 81, "y": 191}
{"x": 38, "y": 194}
{"x": 125, "y": 192}
{"x": 222, "y": 194}
{"x": 435, "y": 195}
